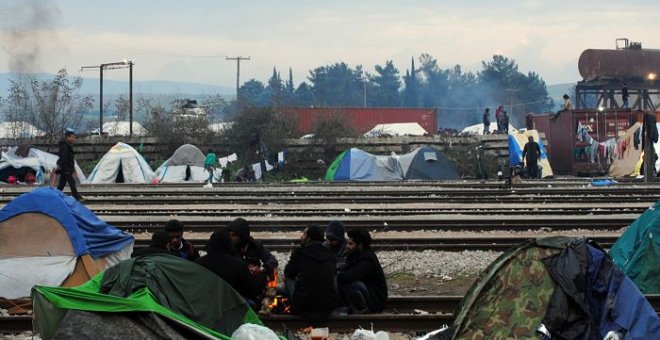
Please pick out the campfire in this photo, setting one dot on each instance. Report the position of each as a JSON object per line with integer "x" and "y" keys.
{"x": 272, "y": 302}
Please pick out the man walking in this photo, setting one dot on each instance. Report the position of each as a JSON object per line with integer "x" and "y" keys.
{"x": 531, "y": 154}
{"x": 209, "y": 162}
{"x": 66, "y": 165}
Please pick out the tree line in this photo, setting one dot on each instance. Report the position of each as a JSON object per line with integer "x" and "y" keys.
{"x": 460, "y": 96}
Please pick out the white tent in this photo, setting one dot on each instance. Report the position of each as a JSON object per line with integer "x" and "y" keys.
{"x": 122, "y": 164}
{"x": 10, "y": 130}
{"x": 397, "y": 129}
{"x": 185, "y": 165}
{"x": 478, "y": 129}
{"x": 122, "y": 128}
{"x": 43, "y": 163}
{"x": 220, "y": 127}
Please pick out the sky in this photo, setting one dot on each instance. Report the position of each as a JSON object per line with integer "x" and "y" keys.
{"x": 188, "y": 41}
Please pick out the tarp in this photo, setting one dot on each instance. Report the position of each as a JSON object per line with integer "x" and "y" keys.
{"x": 185, "y": 165}
{"x": 167, "y": 285}
{"x": 122, "y": 164}
{"x": 43, "y": 163}
{"x": 88, "y": 234}
{"x": 629, "y": 162}
{"x": 427, "y": 163}
{"x": 637, "y": 251}
{"x": 478, "y": 129}
{"x": 397, "y": 129}
{"x": 517, "y": 141}
{"x": 19, "y": 274}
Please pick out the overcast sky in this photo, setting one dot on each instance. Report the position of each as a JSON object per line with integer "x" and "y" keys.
{"x": 187, "y": 41}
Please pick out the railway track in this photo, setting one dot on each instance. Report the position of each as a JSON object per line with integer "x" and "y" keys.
{"x": 398, "y": 316}
{"x": 412, "y": 244}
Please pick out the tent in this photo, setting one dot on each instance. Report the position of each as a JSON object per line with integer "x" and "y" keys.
{"x": 155, "y": 296}
{"x": 122, "y": 128}
{"x": 567, "y": 287}
{"x": 478, "y": 129}
{"x": 427, "y": 163}
{"x": 397, "y": 129}
{"x": 41, "y": 163}
{"x": 357, "y": 165}
{"x": 637, "y": 251}
{"x": 517, "y": 141}
{"x": 48, "y": 238}
{"x": 629, "y": 162}
{"x": 185, "y": 165}
{"x": 122, "y": 164}
{"x": 11, "y": 130}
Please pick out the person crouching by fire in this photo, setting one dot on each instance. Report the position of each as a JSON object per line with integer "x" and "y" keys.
{"x": 310, "y": 278}
{"x": 261, "y": 263}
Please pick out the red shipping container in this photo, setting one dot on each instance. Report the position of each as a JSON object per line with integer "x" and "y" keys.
{"x": 363, "y": 119}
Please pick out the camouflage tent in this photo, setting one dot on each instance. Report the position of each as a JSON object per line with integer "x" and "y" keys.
{"x": 566, "y": 286}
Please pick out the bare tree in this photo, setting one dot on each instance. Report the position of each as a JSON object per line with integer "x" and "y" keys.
{"x": 52, "y": 106}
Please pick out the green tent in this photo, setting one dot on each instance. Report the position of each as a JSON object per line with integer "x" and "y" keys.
{"x": 184, "y": 297}
{"x": 334, "y": 166}
{"x": 637, "y": 251}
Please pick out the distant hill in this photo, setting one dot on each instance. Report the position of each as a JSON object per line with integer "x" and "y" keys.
{"x": 557, "y": 91}
{"x": 91, "y": 85}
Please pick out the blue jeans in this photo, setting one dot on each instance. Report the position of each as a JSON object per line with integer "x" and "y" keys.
{"x": 356, "y": 296}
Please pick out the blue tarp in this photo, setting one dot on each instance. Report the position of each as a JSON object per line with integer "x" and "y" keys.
{"x": 515, "y": 151}
{"x": 88, "y": 234}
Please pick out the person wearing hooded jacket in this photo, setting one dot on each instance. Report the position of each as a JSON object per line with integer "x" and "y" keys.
{"x": 335, "y": 240}
{"x": 362, "y": 286}
{"x": 221, "y": 259}
{"x": 261, "y": 263}
{"x": 310, "y": 277}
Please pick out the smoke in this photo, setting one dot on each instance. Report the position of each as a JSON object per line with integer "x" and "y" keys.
{"x": 28, "y": 25}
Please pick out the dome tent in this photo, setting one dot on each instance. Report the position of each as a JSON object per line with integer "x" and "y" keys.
{"x": 42, "y": 163}
{"x": 159, "y": 295}
{"x": 185, "y": 165}
{"x": 121, "y": 164}
{"x": 428, "y": 163}
{"x": 47, "y": 237}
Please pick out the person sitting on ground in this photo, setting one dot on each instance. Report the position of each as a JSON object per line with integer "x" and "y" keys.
{"x": 160, "y": 244}
{"x": 261, "y": 263}
{"x": 310, "y": 277}
{"x": 178, "y": 244}
{"x": 221, "y": 258}
{"x": 335, "y": 240}
{"x": 362, "y": 286}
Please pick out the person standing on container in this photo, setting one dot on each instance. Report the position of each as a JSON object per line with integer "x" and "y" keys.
{"x": 624, "y": 96}
{"x": 504, "y": 118}
{"x": 486, "y": 120}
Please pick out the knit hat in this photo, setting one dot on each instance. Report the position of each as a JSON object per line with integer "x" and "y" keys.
{"x": 335, "y": 231}
{"x": 241, "y": 227}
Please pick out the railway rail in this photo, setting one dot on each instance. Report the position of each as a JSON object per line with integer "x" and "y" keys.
{"x": 412, "y": 244}
{"x": 399, "y": 316}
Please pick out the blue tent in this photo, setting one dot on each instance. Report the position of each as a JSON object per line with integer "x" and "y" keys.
{"x": 357, "y": 165}
{"x": 88, "y": 234}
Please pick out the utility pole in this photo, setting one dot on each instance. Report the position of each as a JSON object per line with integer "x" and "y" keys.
{"x": 130, "y": 99}
{"x": 113, "y": 66}
{"x": 649, "y": 149}
{"x": 238, "y": 77}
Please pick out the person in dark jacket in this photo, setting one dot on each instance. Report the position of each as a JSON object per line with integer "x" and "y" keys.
{"x": 178, "y": 244}
{"x": 222, "y": 259}
{"x": 504, "y": 122}
{"x": 362, "y": 286}
{"x": 66, "y": 165}
{"x": 531, "y": 154}
{"x": 160, "y": 244}
{"x": 261, "y": 263}
{"x": 486, "y": 120}
{"x": 310, "y": 277}
{"x": 335, "y": 240}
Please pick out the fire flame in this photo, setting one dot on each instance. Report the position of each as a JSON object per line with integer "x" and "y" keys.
{"x": 273, "y": 282}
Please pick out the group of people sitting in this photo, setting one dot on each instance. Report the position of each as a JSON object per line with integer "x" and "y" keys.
{"x": 331, "y": 270}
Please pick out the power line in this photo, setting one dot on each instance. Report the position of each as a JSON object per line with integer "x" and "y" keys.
{"x": 238, "y": 76}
